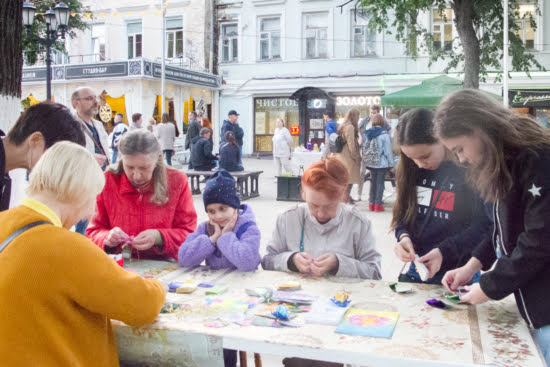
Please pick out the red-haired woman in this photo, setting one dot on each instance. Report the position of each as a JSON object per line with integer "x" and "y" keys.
{"x": 324, "y": 236}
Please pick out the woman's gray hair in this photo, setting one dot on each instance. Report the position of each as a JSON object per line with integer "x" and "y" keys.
{"x": 142, "y": 141}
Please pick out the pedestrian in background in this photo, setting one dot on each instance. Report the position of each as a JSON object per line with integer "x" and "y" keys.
{"x": 205, "y": 123}
{"x": 350, "y": 155}
{"x": 201, "y": 151}
{"x": 166, "y": 134}
{"x": 230, "y": 154}
{"x": 151, "y": 125}
{"x": 282, "y": 147}
{"x": 330, "y": 128}
{"x": 193, "y": 130}
{"x": 232, "y": 124}
{"x": 119, "y": 130}
{"x": 136, "y": 122}
{"x": 377, "y": 158}
{"x": 85, "y": 103}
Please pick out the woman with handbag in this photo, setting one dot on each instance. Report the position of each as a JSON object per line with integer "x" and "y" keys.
{"x": 350, "y": 155}
{"x": 436, "y": 215}
{"x": 507, "y": 157}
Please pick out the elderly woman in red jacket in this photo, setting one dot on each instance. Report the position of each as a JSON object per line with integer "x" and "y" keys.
{"x": 144, "y": 204}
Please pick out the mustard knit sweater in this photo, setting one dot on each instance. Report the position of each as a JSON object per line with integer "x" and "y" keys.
{"x": 58, "y": 291}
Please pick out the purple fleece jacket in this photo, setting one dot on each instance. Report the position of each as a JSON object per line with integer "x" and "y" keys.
{"x": 242, "y": 253}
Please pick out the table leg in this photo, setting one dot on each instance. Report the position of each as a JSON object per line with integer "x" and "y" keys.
{"x": 254, "y": 186}
{"x": 195, "y": 185}
{"x": 242, "y": 359}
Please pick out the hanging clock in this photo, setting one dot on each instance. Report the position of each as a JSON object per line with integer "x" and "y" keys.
{"x": 105, "y": 113}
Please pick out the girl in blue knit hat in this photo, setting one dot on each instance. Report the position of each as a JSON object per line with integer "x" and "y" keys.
{"x": 229, "y": 239}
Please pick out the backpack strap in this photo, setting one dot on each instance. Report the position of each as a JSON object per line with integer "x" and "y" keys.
{"x": 19, "y": 231}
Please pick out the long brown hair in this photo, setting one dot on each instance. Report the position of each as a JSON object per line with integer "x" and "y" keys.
{"x": 144, "y": 142}
{"x": 470, "y": 112}
{"x": 351, "y": 118}
{"x": 415, "y": 127}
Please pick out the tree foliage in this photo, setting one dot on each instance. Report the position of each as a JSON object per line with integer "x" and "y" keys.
{"x": 77, "y": 21}
{"x": 476, "y": 51}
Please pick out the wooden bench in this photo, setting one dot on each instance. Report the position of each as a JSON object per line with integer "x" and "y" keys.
{"x": 247, "y": 182}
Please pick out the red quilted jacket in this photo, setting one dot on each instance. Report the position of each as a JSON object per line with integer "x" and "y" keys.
{"x": 121, "y": 205}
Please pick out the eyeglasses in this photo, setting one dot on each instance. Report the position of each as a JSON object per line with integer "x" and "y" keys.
{"x": 89, "y": 98}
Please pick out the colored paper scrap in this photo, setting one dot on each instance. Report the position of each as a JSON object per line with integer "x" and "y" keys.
{"x": 438, "y": 304}
{"x": 325, "y": 312}
{"x": 293, "y": 297}
{"x": 421, "y": 269}
{"x": 217, "y": 289}
{"x": 290, "y": 286}
{"x": 368, "y": 323}
{"x": 263, "y": 321}
{"x": 400, "y": 288}
{"x": 187, "y": 288}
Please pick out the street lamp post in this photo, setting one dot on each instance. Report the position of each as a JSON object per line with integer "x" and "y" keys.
{"x": 56, "y": 21}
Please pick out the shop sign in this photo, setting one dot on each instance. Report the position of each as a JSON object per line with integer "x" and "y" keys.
{"x": 33, "y": 75}
{"x": 357, "y": 100}
{"x": 529, "y": 98}
{"x": 295, "y": 130}
{"x": 185, "y": 76}
{"x": 99, "y": 70}
{"x": 276, "y": 102}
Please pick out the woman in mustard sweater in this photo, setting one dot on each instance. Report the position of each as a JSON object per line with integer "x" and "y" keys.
{"x": 58, "y": 289}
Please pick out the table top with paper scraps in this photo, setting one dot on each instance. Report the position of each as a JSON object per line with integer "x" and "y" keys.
{"x": 379, "y": 326}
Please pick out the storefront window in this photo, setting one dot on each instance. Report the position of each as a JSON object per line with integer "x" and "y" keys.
{"x": 543, "y": 116}
{"x": 266, "y": 112}
{"x": 360, "y": 102}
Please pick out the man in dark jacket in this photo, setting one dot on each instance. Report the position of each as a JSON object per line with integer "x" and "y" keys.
{"x": 201, "y": 151}
{"x": 192, "y": 133}
{"x": 232, "y": 124}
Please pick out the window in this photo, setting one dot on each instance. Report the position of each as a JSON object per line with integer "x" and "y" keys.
{"x": 230, "y": 49}
{"x": 98, "y": 42}
{"x": 363, "y": 40}
{"x": 266, "y": 112}
{"x": 442, "y": 29}
{"x": 174, "y": 37}
{"x": 526, "y": 31}
{"x": 315, "y": 35}
{"x": 134, "y": 40}
{"x": 270, "y": 38}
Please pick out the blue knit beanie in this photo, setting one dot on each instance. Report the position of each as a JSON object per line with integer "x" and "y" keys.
{"x": 221, "y": 188}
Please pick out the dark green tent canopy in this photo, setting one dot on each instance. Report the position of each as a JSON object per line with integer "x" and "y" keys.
{"x": 427, "y": 94}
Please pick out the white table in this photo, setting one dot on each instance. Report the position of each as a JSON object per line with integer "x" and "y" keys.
{"x": 492, "y": 333}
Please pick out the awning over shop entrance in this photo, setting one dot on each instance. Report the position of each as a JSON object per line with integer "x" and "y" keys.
{"x": 427, "y": 94}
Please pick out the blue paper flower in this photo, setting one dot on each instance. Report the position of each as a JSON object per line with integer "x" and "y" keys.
{"x": 280, "y": 312}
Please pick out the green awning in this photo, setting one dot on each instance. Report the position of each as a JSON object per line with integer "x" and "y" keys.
{"x": 427, "y": 94}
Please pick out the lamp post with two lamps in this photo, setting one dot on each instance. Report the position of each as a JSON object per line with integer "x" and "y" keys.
{"x": 56, "y": 24}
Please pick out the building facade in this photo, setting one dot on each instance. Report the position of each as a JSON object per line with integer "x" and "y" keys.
{"x": 120, "y": 57}
{"x": 295, "y": 58}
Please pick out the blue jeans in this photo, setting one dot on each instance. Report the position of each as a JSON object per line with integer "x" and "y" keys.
{"x": 168, "y": 156}
{"x": 115, "y": 155}
{"x": 241, "y": 155}
{"x": 377, "y": 185}
{"x": 413, "y": 277}
{"x": 542, "y": 336}
{"x": 81, "y": 226}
